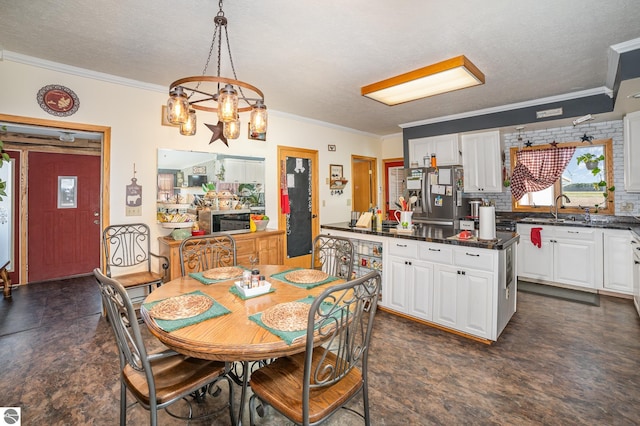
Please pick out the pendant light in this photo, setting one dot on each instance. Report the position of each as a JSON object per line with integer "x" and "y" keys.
{"x": 258, "y": 120}
{"x": 223, "y": 95}
{"x": 177, "y": 106}
{"x": 189, "y": 127}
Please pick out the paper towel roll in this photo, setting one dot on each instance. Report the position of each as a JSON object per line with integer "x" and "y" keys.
{"x": 487, "y": 223}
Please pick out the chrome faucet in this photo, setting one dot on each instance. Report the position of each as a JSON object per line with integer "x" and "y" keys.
{"x": 554, "y": 208}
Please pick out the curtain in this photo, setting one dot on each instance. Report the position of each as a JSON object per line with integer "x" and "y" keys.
{"x": 538, "y": 169}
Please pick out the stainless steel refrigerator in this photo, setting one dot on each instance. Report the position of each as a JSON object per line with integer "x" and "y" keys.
{"x": 438, "y": 193}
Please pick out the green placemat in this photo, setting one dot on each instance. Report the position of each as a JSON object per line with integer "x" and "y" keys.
{"x": 215, "y": 310}
{"x": 198, "y": 276}
{"x": 290, "y": 336}
{"x": 233, "y": 289}
{"x": 280, "y": 277}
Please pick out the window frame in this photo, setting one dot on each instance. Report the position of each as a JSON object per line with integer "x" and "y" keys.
{"x": 609, "y": 205}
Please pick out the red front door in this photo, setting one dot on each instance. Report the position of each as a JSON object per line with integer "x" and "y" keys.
{"x": 393, "y": 176}
{"x": 63, "y": 206}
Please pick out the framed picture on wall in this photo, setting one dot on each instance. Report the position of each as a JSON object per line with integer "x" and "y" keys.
{"x": 256, "y": 136}
{"x": 199, "y": 170}
{"x": 67, "y": 192}
{"x": 335, "y": 171}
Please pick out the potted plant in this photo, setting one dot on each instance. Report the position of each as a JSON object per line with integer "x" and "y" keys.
{"x": 591, "y": 161}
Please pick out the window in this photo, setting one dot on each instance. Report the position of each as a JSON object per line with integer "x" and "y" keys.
{"x": 586, "y": 187}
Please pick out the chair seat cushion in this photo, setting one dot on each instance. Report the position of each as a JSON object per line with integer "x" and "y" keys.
{"x": 174, "y": 376}
{"x": 137, "y": 279}
{"x": 279, "y": 384}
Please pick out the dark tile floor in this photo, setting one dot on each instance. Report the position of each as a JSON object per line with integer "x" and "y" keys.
{"x": 557, "y": 363}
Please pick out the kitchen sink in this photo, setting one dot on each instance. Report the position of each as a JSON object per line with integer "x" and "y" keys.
{"x": 542, "y": 220}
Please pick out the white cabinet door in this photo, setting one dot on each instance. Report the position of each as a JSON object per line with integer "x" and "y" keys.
{"x": 395, "y": 291}
{"x": 632, "y": 152}
{"x": 574, "y": 263}
{"x": 474, "y": 300}
{"x": 481, "y": 161}
{"x": 533, "y": 261}
{"x": 446, "y": 148}
{"x": 233, "y": 170}
{"x": 421, "y": 290}
{"x": 254, "y": 171}
{"x": 618, "y": 261}
{"x": 445, "y": 296}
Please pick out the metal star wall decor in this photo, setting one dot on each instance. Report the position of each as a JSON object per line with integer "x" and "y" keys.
{"x": 528, "y": 144}
{"x": 586, "y": 138}
{"x": 554, "y": 144}
{"x": 218, "y": 132}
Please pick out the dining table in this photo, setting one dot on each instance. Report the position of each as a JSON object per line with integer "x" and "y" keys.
{"x": 232, "y": 330}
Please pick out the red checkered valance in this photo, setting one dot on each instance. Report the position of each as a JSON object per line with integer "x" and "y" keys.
{"x": 538, "y": 169}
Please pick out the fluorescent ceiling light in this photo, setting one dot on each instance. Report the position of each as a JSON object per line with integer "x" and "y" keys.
{"x": 446, "y": 76}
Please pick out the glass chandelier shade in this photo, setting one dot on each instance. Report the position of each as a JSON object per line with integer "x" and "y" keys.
{"x": 189, "y": 127}
{"x": 227, "y": 104}
{"x": 232, "y": 129}
{"x": 258, "y": 120}
{"x": 177, "y": 107}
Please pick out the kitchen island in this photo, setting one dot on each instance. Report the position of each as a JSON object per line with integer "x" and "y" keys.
{"x": 467, "y": 287}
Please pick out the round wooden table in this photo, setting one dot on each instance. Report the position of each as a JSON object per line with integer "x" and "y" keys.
{"x": 231, "y": 337}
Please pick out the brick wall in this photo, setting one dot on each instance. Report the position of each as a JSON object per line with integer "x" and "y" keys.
{"x": 606, "y": 130}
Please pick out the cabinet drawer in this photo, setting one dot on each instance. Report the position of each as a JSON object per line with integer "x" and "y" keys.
{"x": 438, "y": 253}
{"x": 404, "y": 248}
{"x": 574, "y": 233}
{"x": 474, "y": 258}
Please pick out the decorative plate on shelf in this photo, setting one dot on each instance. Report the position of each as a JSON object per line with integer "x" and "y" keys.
{"x": 58, "y": 100}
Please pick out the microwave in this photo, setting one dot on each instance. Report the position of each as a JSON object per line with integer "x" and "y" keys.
{"x": 230, "y": 221}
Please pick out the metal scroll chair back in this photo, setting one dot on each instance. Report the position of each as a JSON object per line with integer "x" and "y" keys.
{"x": 342, "y": 318}
{"x": 127, "y": 251}
{"x": 137, "y": 366}
{"x": 204, "y": 252}
{"x": 333, "y": 255}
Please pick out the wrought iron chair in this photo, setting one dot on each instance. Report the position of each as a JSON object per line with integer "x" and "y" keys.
{"x": 204, "y": 252}
{"x": 309, "y": 387}
{"x": 127, "y": 251}
{"x": 333, "y": 255}
{"x": 159, "y": 379}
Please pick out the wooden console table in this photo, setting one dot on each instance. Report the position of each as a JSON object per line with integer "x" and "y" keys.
{"x": 268, "y": 245}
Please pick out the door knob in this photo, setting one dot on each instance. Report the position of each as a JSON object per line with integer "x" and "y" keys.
{"x": 96, "y": 214}
{"x": 97, "y": 222}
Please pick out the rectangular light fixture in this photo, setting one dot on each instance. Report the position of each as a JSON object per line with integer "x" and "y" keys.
{"x": 446, "y": 76}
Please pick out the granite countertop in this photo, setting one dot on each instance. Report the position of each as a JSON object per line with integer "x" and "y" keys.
{"x": 602, "y": 222}
{"x": 434, "y": 234}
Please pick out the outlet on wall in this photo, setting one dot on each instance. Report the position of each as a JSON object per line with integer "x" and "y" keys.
{"x": 626, "y": 207}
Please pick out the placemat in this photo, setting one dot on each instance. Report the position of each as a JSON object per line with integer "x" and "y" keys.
{"x": 198, "y": 276}
{"x": 171, "y": 325}
{"x": 280, "y": 277}
{"x": 290, "y": 336}
{"x": 233, "y": 289}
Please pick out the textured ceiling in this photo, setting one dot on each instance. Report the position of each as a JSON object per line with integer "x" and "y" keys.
{"x": 310, "y": 58}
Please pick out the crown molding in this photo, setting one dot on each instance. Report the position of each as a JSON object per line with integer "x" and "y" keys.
{"x": 81, "y": 72}
{"x": 509, "y": 107}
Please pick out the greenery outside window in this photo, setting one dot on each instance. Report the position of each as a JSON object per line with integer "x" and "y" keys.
{"x": 585, "y": 187}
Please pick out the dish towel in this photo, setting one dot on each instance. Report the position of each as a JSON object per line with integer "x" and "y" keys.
{"x": 536, "y": 239}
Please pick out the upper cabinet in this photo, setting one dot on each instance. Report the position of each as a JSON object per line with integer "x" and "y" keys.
{"x": 446, "y": 148}
{"x": 632, "y": 152}
{"x": 243, "y": 170}
{"x": 481, "y": 162}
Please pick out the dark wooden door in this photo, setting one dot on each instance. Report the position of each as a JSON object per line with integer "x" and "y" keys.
{"x": 63, "y": 236}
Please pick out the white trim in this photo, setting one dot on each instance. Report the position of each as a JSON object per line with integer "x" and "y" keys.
{"x": 509, "y": 107}
{"x": 81, "y": 72}
{"x": 613, "y": 56}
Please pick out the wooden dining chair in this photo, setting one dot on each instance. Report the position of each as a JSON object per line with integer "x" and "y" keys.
{"x": 127, "y": 254}
{"x": 333, "y": 255}
{"x": 159, "y": 379}
{"x": 203, "y": 252}
{"x": 309, "y": 387}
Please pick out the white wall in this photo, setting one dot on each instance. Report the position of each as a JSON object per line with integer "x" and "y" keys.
{"x": 133, "y": 113}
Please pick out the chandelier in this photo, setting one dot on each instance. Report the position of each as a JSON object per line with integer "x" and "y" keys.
{"x": 226, "y": 96}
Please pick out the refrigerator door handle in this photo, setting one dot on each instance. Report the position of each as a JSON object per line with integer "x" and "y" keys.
{"x": 426, "y": 194}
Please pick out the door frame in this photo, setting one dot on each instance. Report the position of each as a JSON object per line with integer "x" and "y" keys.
{"x": 385, "y": 185}
{"x": 287, "y": 151}
{"x": 105, "y": 155}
